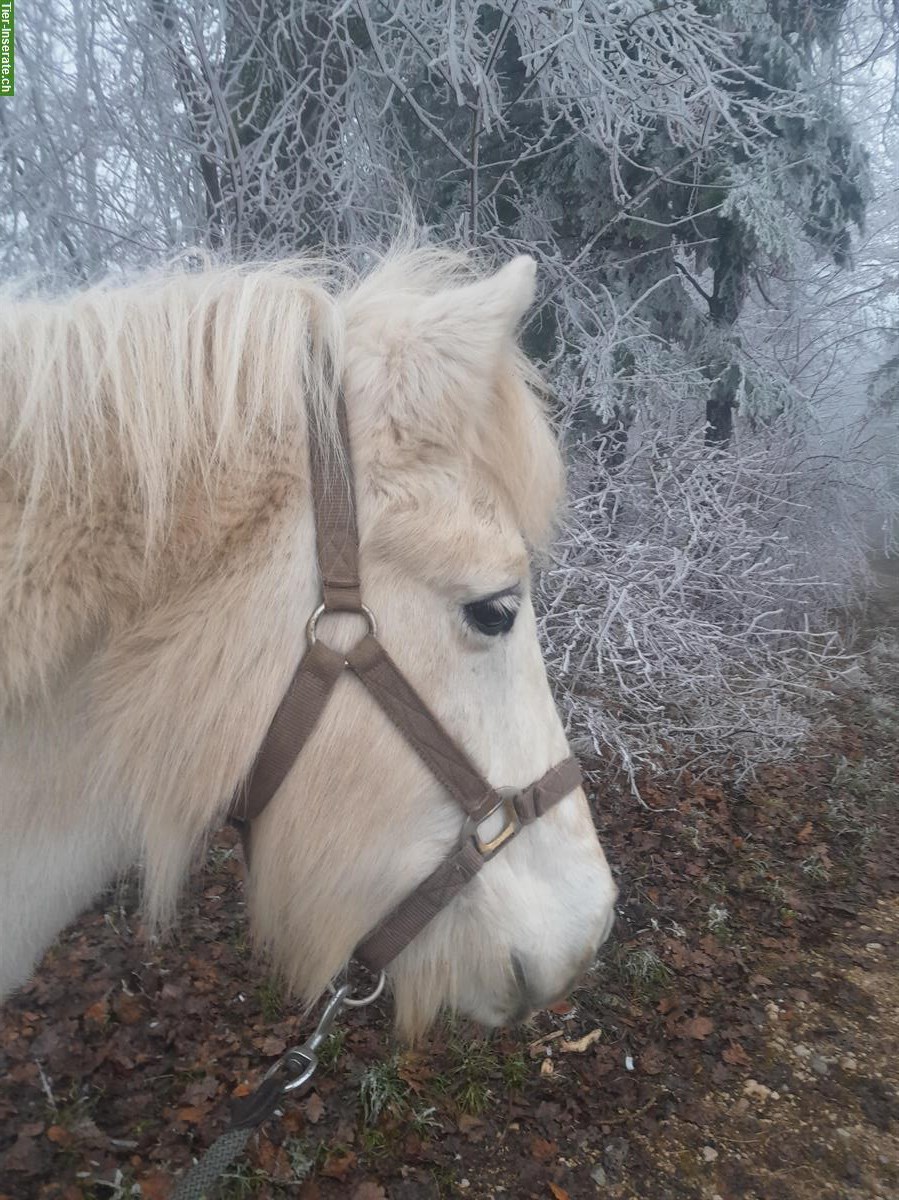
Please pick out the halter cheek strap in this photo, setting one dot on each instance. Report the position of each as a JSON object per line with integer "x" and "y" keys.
{"x": 310, "y": 689}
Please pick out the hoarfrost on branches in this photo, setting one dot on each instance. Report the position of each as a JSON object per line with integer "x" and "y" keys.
{"x": 683, "y": 605}
{"x": 693, "y": 181}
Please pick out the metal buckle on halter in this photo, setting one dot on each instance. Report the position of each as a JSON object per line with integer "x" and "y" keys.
{"x": 487, "y": 847}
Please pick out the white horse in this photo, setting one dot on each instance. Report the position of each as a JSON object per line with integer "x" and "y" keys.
{"x": 157, "y": 567}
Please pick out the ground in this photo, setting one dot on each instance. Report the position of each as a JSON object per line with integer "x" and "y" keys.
{"x": 739, "y": 1038}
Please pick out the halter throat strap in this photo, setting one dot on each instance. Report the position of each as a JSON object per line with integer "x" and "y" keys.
{"x": 307, "y": 696}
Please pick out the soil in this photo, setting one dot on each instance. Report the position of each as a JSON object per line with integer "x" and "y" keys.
{"x": 738, "y": 1039}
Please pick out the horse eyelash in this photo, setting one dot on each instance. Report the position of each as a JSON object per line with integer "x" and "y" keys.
{"x": 508, "y": 601}
{"x": 507, "y": 604}
{"x": 503, "y": 604}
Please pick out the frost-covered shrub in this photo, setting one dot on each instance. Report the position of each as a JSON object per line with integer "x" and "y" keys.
{"x": 686, "y": 610}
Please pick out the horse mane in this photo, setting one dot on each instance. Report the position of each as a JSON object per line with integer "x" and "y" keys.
{"x": 136, "y": 403}
{"x": 248, "y": 349}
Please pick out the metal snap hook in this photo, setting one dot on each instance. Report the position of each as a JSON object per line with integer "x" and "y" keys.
{"x": 302, "y": 1061}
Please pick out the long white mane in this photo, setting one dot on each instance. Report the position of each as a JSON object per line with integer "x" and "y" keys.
{"x": 126, "y": 394}
{"x": 244, "y": 349}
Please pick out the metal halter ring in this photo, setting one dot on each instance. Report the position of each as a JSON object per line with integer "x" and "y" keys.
{"x": 304, "y": 1062}
{"x": 362, "y": 1001}
{"x": 364, "y": 611}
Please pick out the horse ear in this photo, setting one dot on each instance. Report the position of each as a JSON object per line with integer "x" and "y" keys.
{"x": 425, "y": 359}
{"x": 482, "y": 313}
{"x": 507, "y": 295}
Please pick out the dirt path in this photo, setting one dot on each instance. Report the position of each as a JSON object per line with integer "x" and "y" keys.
{"x": 819, "y": 1115}
{"x": 739, "y": 1038}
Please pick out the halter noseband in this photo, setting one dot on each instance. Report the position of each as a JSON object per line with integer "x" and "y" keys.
{"x": 298, "y": 713}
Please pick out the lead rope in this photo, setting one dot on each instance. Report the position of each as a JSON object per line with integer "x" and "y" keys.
{"x": 300, "y": 1064}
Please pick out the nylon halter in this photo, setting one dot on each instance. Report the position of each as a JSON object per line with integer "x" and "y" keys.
{"x": 307, "y": 696}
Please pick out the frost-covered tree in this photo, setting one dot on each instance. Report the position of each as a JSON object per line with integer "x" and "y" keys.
{"x": 689, "y": 177}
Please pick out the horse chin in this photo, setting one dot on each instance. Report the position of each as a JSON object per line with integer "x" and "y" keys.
{"x": 504, "y": 981}
{"x": 487, "y": 1011}
{"x": 421, "y": 994}
{"x": 413, "y": 1024}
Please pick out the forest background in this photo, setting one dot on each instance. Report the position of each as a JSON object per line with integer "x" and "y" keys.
{"x": 710, "y": 190}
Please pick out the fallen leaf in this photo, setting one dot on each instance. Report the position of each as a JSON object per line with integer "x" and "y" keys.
{"x": 697, "y": 1027}
{"x": 558, "y": 1192}
{"x": 473, "y": 1127}
{"x": 128, "y": 1009}
{"x": 735, "y": 1055}
{"x": 542, "y": 1149}
{"x": 805, "y": 832}
{"x": 546, "y": 1067}
{"x": 314, "y": 1108}
{"x": 582, "y": 1044}
{"x": 98, "y": 1013}
{"x": 89, "y": 1133}
{"x": 191, "y": 1114}
{"x": 412, "y": 1146}
{"x": 561, "y": 1008}
{"x": 59, "y": 1136}
{"x": 338, "y": 1166}
{"x": 200, "y": 1090}
{"x": 369, "y": 1191}
{"x": 292, "y": 1122}
{"x": 156, "y": 1187}
{"x": 274, "y": 1161}
{"x": 652, "y": 1060}
{"x": 414, "y": 1072}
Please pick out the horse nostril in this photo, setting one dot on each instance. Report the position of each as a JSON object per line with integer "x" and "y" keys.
{"x": 533, "y": 994}
{"x": 530, "y": 998}
{"x": 520, "y": 975}
{"x": 527, "y": 1002}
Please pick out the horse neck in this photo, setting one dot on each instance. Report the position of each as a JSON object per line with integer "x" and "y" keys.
{"x": 142, "y": 717}
{"x": 78, "y": 568}
{"x": 59, "y": 846}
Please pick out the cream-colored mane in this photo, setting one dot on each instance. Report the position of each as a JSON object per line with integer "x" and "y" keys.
{"x": 183, "y": 373}
{"x": 124, "y": 403}
{"x": 157, "y": 567}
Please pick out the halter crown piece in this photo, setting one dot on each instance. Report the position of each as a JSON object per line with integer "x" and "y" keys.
{"x": 305, "y": 700}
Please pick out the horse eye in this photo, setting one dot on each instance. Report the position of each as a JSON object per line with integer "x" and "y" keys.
{"x": 494, "y": 615}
